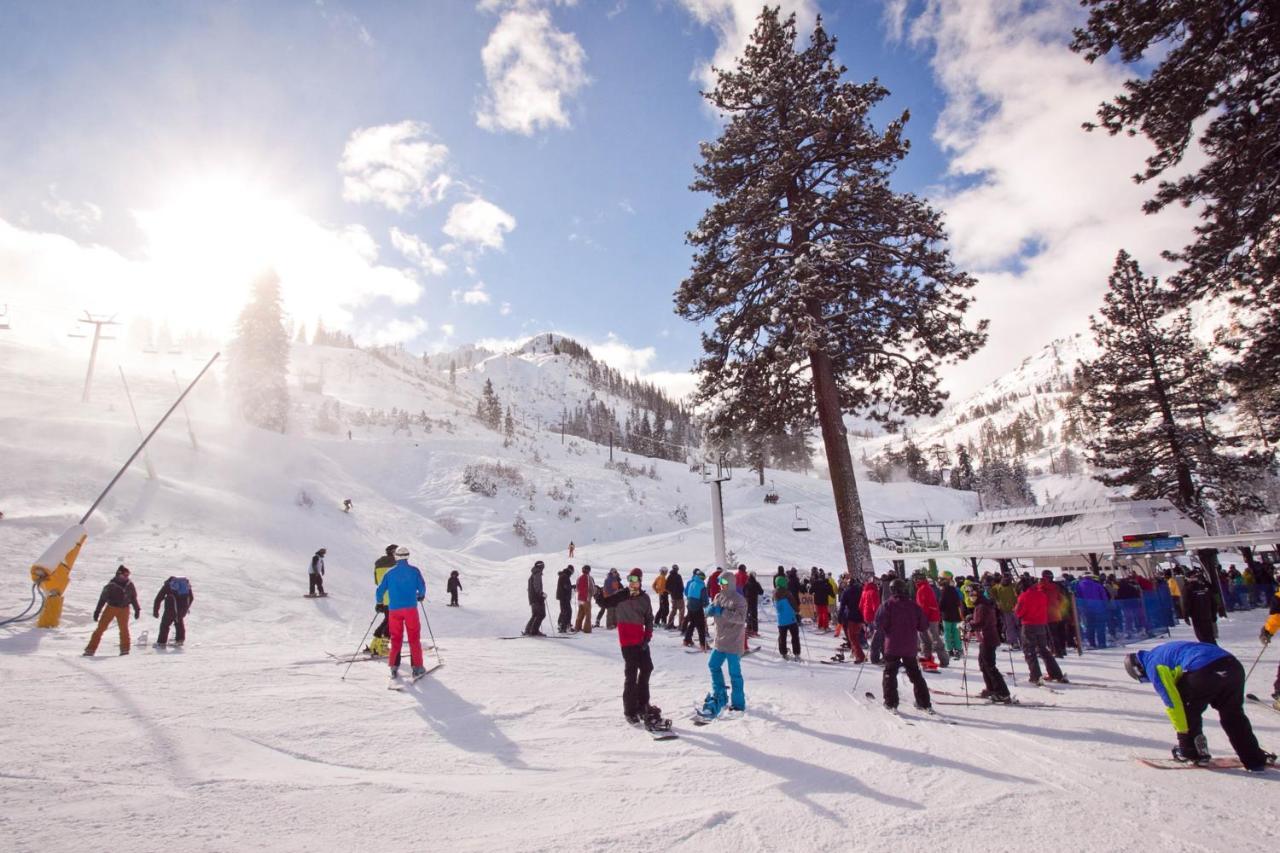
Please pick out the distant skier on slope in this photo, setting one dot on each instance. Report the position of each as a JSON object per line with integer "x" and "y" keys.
{"x": 1189, "y": 677}
{"x": 729, "y": 612}
{"x": 635, "y": 629}
{"x": 453, "y": 587}
{"x": 316, "y": 575}
{"x": 176, "y": 596}
{"x": 537, "y": 602}
{"x": 903, "y": 622}
{"x": 113, "y": 604}
{"x": 380, "y": 644}
{"x": 403, "y": 587}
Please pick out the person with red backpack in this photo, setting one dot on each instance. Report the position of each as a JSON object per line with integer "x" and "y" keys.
{"x": 113, "y": 604}
{"x": 176, "y": 596}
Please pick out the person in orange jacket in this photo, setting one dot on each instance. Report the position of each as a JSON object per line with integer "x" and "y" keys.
{"x": 664, "y": 600}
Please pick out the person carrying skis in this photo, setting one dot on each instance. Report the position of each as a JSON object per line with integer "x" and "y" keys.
{"x": 564, "y": 593}
{"x": 1189, "y": 677}
{"x": 1032, "y": 611}
{"x": 664, "y": 600}
{"x": 696, "y": 597}
{"x": 176, "y": 596}
{"x": 586, "y": 587}
{"x": 1269, "y": 629}
{"x": 316, "y": 575}
{"x": 113, "y": 604}
{"x": 903, "y": 622}
{"x": 675, "y": 589}
{"x": 403, "y": 588}
{"x": 931, "y": 636}
{"x": 949, "y": 607}
{"x": 787, "y": 608}
{"x": 986, "y": 622}
{"x": 453, "y": 587}
{"x": 380, "y": 644}
{"x": 635, "y": 630}
{"x": 537, "y": 602}
{"x": 729, "y": 613}
{"x": 752, "y": 592}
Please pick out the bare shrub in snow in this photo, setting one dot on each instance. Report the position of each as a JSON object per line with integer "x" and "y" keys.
{"x": 680, "y": 513}
{"x": 485, "y": 478}
{"x": 523, "y": 531}
{"x": 450, "y": 524}
{"x": 304, "y": 500}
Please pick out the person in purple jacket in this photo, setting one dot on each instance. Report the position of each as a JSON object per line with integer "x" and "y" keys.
{"x": 902, "y": 621}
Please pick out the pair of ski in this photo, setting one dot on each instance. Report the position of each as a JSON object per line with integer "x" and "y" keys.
{"x": 929, "y": 713}
{"x": 400, "y": 684}
{"x": 1270, "y": 706}
{"x": 541, "y": 637}
{"x": 979, "y": 702}
{"x": 363, "y": 656}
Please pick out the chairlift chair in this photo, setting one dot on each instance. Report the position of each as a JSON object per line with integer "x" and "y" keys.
{"x": 771, "y": 496}
{"x": 800, "y": 524}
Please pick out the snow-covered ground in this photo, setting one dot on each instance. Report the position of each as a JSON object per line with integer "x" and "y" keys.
{"x": 249, "y": 739}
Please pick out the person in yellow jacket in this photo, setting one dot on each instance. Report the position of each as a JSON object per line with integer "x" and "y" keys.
{"x": 380, "y": 643}
{"x": 1269, "y": 629}
{"x": 664, "y": 600}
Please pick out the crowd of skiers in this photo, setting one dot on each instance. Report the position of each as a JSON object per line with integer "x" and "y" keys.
{"x": 119, "y": 596}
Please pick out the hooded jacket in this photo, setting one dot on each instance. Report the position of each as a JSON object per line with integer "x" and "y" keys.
{"x": 535, "y": 586}
{"x": 785, "y": 605}
{"x": 729, "y": 613}
{"x": 564, "y": 584}
{"x": 928, "y": 602}
{"x": 902, "y": 620}
{"x": 870, "y": 601}
{"x": 634, "y": 614}
{"x": 118, "y": 592}
{"x": 1167, "y": 663}
{"x": 695, "y": 593}
{"x": 402, "y": 585}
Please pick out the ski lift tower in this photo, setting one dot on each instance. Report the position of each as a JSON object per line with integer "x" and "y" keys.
{"x": 714, "y": 472}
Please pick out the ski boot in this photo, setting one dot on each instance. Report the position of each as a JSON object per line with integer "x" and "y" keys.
{"x": 1005, "y": 699}
{"x": 395, "y": 672}
{"x": 418, "y": 672}
{"x": 1059, "y": 680}
{"x": 1268, "y": 760}
{"x": 838, "y": 657}
{"x": 654, "y": 721}
{"x": 985, "y": 694}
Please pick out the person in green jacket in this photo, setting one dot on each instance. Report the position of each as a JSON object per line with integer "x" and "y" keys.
{"x": 1006, "y": 599}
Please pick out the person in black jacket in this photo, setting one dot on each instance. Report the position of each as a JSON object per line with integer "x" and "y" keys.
{"x": 675, "y": 589}
{"x": 117, "y": 597}
{"x": 537, "y": 602}
{"x": 849, "y": 615}
{"x": 753, "y": 590}
{"x": 176, "y": 596}
{"x": 454, "y": 586}
{"x": 986, "y": 623}
{"x": 1201, "y": 610}
{"x": 564, "y": 594}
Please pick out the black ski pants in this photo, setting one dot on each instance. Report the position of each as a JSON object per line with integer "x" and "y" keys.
{"x": 892, "y": 663}
{"x": 877, "y": 644}
{"x": 1205, "y": 632}
{"x": 1219, "y": 685}
{"x": 991, "y": 676}
{"x": 453, "y": 598}
{"x": 562, "y": 623}
{"x": 792, "y": 631}
{"x": 382, "y": 630}
{"x": 753, "y": 615}
{"x": 635, "y": 689}
{"x": 664, "y": 609}
{"x": 1035, "y": 641}
{"x": 317, "y": 584}
{"x": 539, "y": 609}
{"x": 697, "y": 618}
{"x": 175, "y": 618}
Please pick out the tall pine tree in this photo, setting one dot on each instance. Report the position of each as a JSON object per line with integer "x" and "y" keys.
{"x": 1155, "y": 395}
{"x": 259, "y": 363}
{"x": 824, "y": 290}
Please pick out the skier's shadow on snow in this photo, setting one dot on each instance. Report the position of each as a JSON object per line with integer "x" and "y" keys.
{"x": 465, "y": 725}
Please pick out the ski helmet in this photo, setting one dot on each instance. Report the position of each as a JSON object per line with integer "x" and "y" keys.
{"x": 779, "y": 582}
{"x": 698, "y": 573}
{"x": 635, "y": 575}
{"x": 539, "y": 566}
{"x": 1133, "y": 666}
{"x": 899, "y": 588}
{"x": 402, "y": 553}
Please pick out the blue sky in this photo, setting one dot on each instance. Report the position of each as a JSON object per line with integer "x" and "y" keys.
{"x": 442, "y": 172}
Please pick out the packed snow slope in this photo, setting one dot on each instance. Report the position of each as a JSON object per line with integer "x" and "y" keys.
{"x": 250, "y": 738}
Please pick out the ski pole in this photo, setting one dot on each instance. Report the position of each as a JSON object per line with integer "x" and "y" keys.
{"x": 804, "y": 645}
{"x": 357, "y": 651}
{"x": 434, "y": 644}
{"x": 1255, "y": 663}
{"x": 1011, "y": 672}
{"x": 964, "y": 671}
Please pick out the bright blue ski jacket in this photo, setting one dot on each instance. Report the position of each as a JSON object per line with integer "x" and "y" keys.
{"x": 403, "y": 584}
{"x": 695, "y": 593}
{"x": 1166, "y": 663}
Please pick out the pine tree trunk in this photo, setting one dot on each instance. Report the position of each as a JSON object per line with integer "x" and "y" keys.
{"x": 853, "y": 532}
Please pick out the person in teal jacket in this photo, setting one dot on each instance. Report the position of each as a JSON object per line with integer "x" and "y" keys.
{"x": 1189, "y": 677}
{"x": 696, "y": 600}
{"x": 788, "y": 610}
{"x": 404, "y": 587}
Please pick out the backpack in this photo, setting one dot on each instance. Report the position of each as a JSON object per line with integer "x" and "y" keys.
{"x": 117, "y": 594}
{"x": 180, "y": 586}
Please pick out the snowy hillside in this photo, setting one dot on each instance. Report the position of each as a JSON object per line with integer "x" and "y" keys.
{"x": 248, "y": 739}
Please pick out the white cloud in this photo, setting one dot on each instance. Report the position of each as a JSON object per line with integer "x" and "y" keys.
{"x": 733, "y": 22}
{"x": 447, "y": 329}
{"x": 389, "y": 332}
{"x": 84, "y": 215}
{"x": 1044, "y": 206}
{"x": 505, "y": 309}
{"x": 479, "y": 223}
{"x": 417, "y": 251}
{"x": 474, "y": 296}
{"x": 395, "y": 165}
{"x": 531, "y": 69}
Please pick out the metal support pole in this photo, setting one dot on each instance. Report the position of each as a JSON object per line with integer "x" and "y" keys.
{"x": 717, "y": 522}
{"x": 146, "y": 457}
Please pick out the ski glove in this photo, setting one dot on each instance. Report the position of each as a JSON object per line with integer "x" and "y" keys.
{"x": 155, "y": 614}
{"x": 1265, "y": 636}
{"x": 421, "y": 597}
{"x": 381, "y": 608}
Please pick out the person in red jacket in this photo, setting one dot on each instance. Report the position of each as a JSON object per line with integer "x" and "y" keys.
{"x": 1032, "y": 611}
{"x": 869, "y": 604}
{"x": 586, "y": 589}
{"x": 931, "y": 639}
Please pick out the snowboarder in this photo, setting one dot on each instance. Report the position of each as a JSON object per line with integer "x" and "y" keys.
{"x": 787, "y": 608}
{"x": 453, "y": 587}
{"x": 1189, "y": 677}
{"x": 635, "y": 630}
{"x": 664, "y": 600}
{"x": 564, "y": 594}
{"x": 537, "y": 602}
{"x": 380, "y": 643}
{"x": 586, "y": 592}
{"x": 316, "y": 575}
{"x": 752, "y": 592}
{"x": 117, "y": 597}
{"x": 729, "y": 612}
{"x": 986, "y": 622}
{"x": 176, "y": 596}
{"x": 403, "y": 587}
{"x": 1269, "y": 629}
{"x": 1032, "y": 611}
{"x": 612, "y": 584}
{"x": 695, "y": 598}
{"x": 675, "y": 589}
{"x": 903, "y": 622}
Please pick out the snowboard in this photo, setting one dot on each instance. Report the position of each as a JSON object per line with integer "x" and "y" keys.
{"x": 1171, "y": 764}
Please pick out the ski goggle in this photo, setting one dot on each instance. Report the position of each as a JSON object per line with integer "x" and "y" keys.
{"x": 724, "y": 580}
{"x": 634, "y": 579}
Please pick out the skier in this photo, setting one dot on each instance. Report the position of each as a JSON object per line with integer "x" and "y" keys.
{"x": 117, "y": 597}
{"x": 903, "y": 622}
{"x": 675, "y": 589}
{"x": 537, "y": 602}
{"x": 869, "y": 605}
{"x": 664, "y": 600}
{"x": 346, "y": 505}
{"x": 586, "y": 587}
{"x": 1032, "y": 611}
{"x": 752, "y": 592}
{"x": 1055, "y": 608}
{"x": 564, "y": 592}
{"x": 1189, "y": 677}
{"x": 380, "y": 644}
{"x": 403, "y": 588}
{"x": 453, "y": 587}
{"x": 572, "y": 548}
{"x": 695, "y": 597}
{"x": 612, "y": 584}
{"x": 849, "y": 614}
{"x": 316, "y": 575}
{"x": 931, "y": 636}
{"x": 949, "y": 604}
{"x": 1006, "y": 598}
{"x": 821, "y": 600}
{"x": 986, "y": 622}
{"x": 1201, "y": 609}
{"x": 1269, "y": 629}
{"x": 729, "y": 612}
{"x": 787, "y": 608}
{"x": 176, "y": 596}
{"x": 635, "y": 630}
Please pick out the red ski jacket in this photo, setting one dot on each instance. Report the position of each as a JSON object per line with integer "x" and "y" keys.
{"x": 870, "y": 602}
{"x": 1033, "y": 607}
{"x": 928, "y": 601}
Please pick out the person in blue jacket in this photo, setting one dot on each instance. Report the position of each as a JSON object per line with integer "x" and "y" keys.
{"x": 788, "y": 610}
{"x": 1189, "y": 677}
{"x": 696, "y": 599}
{"x": 404, "y": 588}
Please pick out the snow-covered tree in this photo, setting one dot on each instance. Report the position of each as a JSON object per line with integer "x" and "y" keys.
{"x": 822, "y": 290}
{"x": 489, "y": 408}
{"x": 258, "y": 368}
